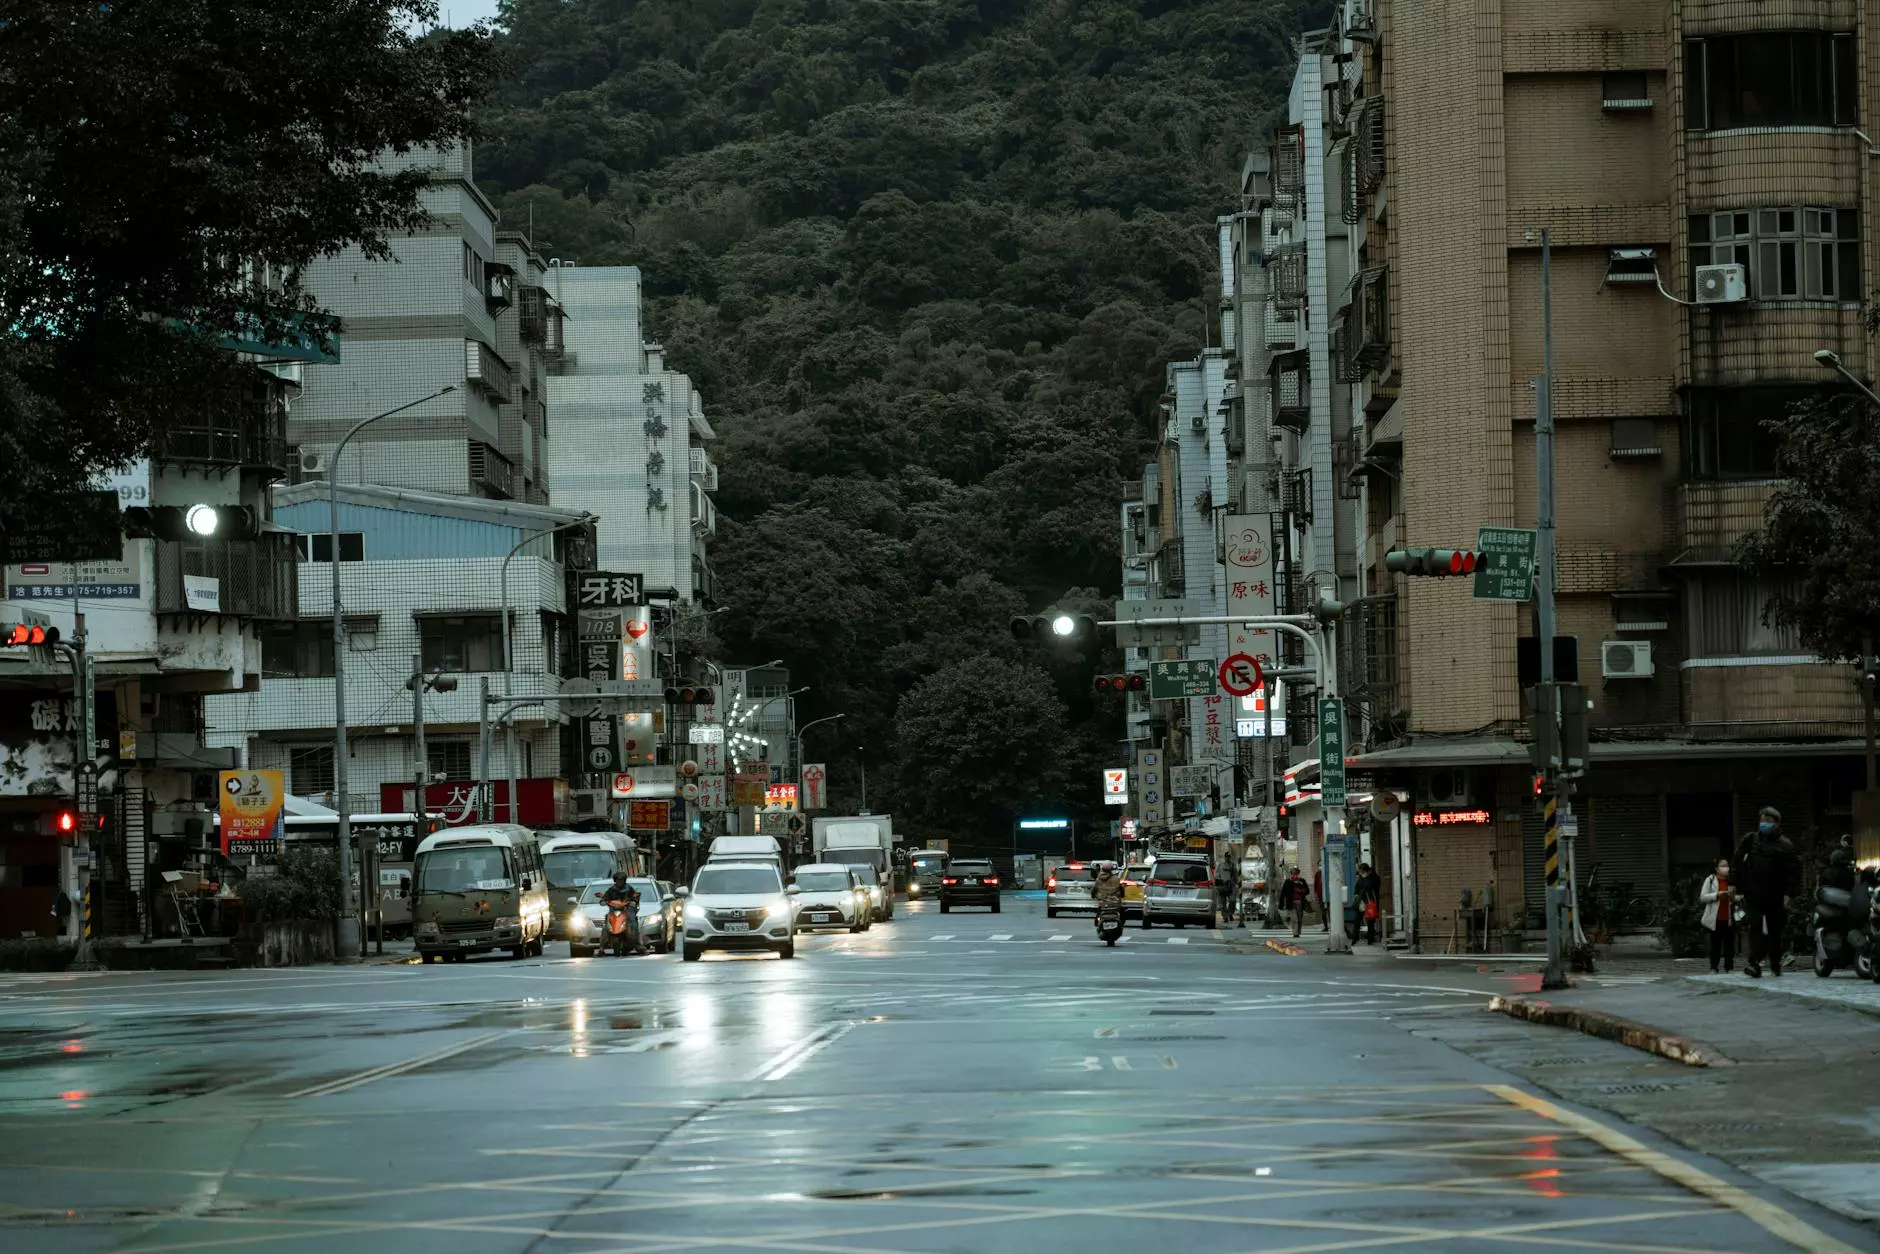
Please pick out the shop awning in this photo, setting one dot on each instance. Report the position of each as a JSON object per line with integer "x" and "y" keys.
{"x": 1484, "y": 751}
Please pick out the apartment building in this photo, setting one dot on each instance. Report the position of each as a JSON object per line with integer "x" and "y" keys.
{"x": 631, "y": 439}
{"x": 1650, "y": 143}
{"x": 424, "y": 590}
{"x": 174, "y": 619}
{"x": 458, "y": 303}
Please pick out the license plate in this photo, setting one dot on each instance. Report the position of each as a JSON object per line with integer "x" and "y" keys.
{"x": 1189, "y": 893}
{"x": 822, "y": 918}
{"x": 969, "y": 882}
{"x": 737, "y": 927}
{"x": 466, "y": 942}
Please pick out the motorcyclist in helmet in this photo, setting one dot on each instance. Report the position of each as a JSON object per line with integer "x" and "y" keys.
{"x": 624, "y": 893}
{"x": 1108, "y": 887}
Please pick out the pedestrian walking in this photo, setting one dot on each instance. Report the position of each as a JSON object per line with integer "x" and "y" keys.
{"x": 1318, "y": 895}
{"x": 1226, "y": 889}
{"x": 1720, "y": 905}
{"x": 1370, "y": 890}
{"x": 1292, "y": 899}
{"x": 1765, "y": 866}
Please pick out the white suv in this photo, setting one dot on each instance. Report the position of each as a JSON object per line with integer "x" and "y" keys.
{"x": 738, "y": 905}
{"x": 830, "y": 895}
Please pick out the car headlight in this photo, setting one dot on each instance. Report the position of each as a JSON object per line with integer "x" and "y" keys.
{"x": 507, "y": 920}
{"x": 579, "y": 922}
{"x": 428, "y": 928}
{"x": 695, "y": 914}
{"x": 781, "y": 910}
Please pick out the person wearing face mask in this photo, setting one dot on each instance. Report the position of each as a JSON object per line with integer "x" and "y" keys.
{"x": 1766, "y": 868}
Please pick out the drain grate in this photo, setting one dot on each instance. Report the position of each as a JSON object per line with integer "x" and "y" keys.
{"x": 1559, "y": 1062}
{"x": 1645, "y": 1086}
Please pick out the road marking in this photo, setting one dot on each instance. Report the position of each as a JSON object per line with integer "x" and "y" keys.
{"x": 1064, "y": 936}
{"x": 1000, "y": 936}
{"x": 1168, "y": 1063}
{"x": 801, "y": 1052}
{"x": 1178, "y": 940}
{"x": 1100, "y": 1033}
{"x": 1767, "y": 1215}
{"x": 943, "y": 936}
{"x": 1120, "y": 1063}
{"x": 396, "y": 1068}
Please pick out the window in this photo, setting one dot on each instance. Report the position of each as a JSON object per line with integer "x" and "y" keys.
{"x": 1634, "y": 437}
{"x": 1770, "y": 78}
{"x": 448, "y": 758}
{"x": 461, "y": 642}
{"x": 1623, "y": 90}
{"x": 1724, "y": 612}
{"x": 318, "y": 546}
{"x": 303, "y": 648}
{"x": 1726, "y": 431}
{"x": 310, "y": 769}
{"x": 1791, "y": 252}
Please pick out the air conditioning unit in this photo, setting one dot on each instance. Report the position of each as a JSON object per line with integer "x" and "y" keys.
{"x": 1198, "y": 424}
{"x": 312, "y": 464}
{"x": 1722, "y": 285}
{"x": 1445, "y": 788}
{"x": 1625, "y": 659}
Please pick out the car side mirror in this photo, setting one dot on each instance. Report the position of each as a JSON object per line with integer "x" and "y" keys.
{"x": 793, "y": 889}
{"x": 681, "y": 892}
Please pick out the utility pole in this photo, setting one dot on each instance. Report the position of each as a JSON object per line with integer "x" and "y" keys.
{"x": 420, "y": 755}
{"x": 1556, "y": 804}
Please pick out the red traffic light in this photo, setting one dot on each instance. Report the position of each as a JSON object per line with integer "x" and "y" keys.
{"x": 66, "y": 822}
{"x": 1540, "y": 785}
{"x": 31, "y": 633}
{"x": 1106, "y": 684}
{"x": 689, "y": 696}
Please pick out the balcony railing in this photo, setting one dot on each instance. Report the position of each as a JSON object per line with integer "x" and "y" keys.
{"x": 1292, "y": 398}
{"x": 483, "y": 368}
{"x": 247, "y": 427}
{"x": 1173, "y": 569}
{"x": 255, "y": 578}
{"x": 489, "y": 470}
{"x": 1767, "y": 702}
{"x": 1711, "y": 516}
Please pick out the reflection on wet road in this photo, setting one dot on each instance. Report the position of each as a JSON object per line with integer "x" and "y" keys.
{"x": 934, "y": 1084}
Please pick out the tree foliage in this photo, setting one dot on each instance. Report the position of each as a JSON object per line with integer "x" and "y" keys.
{"x": 926, "y": 260}
{"x": 1819, "y": 546}
{"x": 148, "y": 153}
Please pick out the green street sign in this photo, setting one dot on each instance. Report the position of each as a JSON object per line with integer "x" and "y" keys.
{"x": 1332, "y": 751}
{"x": 1171, "y": 681}
{"x": 1506, "y": 570}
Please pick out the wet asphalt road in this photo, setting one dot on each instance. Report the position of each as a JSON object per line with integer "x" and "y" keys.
{"x": 967, "y": 1082}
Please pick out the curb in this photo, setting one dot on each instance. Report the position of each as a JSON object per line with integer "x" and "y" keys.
{"x": 1612, "y": 1028}
{"x": 1286, "y": 947}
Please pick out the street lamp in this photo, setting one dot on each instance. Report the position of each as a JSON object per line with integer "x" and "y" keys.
{"x": 349, "y": 937}
{"x": 1832, "y": 360}
{"x": 509, "y": 665}
{"x": 804, "y": 730}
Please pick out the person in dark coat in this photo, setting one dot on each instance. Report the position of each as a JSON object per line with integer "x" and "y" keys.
{"x": 1370, "y": 899}
{"x": 1766, "y": 872}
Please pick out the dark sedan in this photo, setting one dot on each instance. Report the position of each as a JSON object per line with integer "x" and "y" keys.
{"x": 969, "y": 882}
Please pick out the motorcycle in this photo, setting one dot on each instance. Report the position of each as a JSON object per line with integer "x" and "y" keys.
{"x": 1109, "y": 922}
{"x": 1844, "y": 929}
{"x": 620, "y": 937}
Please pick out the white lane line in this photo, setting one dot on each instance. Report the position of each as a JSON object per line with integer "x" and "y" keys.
{"x": 944, "y": 936}
{"x": 1064, "y": 936}
{"x": 396, "y": 1068}
{"x": 801, "y": 1052}
{"x": 1120, "y": 1062}
{"x": 1000, "y": 936}
{"x": 1168, "y": 1063}
{"x": 1178, "y": 940}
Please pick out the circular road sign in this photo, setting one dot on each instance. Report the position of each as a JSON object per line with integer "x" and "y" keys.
{"x": 1240, "y": 675}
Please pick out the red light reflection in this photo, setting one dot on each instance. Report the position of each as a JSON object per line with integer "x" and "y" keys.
{"x": 1543, "y": 1180}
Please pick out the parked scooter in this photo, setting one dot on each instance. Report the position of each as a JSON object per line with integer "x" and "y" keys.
{"x": 1844, "y": 924}
{"x": 1109, "y": 922}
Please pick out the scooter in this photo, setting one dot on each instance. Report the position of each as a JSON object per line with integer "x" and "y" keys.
{"x": 1109, "y": 922}
{"x": 620, "y": 933}
{"x": 1843, "y": 929}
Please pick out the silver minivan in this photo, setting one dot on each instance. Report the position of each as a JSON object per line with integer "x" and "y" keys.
{"x": 1180, "y": 891}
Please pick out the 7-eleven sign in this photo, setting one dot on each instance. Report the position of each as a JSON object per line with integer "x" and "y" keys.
{"x": 1116, "y": 787}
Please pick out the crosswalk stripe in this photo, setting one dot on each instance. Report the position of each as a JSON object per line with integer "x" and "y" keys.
{"x": 946, "y": 936}
{"x": 1063, "y": 937}
{"x": 1000, "y": 936}
{"x": 1178, "y": 940}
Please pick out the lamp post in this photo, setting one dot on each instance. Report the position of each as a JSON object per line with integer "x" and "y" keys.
{"x": 509, "y": 728}
{"x": 349, "y": 937}
{"x": 805, "y": 731}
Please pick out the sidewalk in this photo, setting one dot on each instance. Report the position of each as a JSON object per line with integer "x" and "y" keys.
{"x": 1795, "y": 1104}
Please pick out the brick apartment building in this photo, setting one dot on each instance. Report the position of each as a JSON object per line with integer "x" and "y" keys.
{"x": 1648, "y": 139}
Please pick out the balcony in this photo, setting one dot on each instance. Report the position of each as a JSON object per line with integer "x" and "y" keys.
{"x": 1172, "y": 569}
{"x": 255, "y": 578}
{"x": 704, "y": 470}
{"x": 1370, "y": 320}
{"x": 704, "y": 513}
{"x": 1711, "y": 516}
{"x": 1766, "y": 699}
{"x": 490, "y": 471}
{"x": 247, "y": 428}
{"x": 1292, "y": 396}
{"x": 483, "y": 369}
{"x": 1286, "y": 276}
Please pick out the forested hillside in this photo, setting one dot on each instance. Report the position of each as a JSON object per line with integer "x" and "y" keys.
{"x": 926, "y": 258}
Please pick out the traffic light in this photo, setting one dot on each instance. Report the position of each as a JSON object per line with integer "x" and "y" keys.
{"x": 1540, "y": 784}
{"x": 64, "y": 822}
{"x": 30, "y": 634}
{"x": 1436, "y": 563}
{"x": 689, "y": 696}
{"x": 1108, "y": 684}
{"x": 201, "y": 521}
{"x": 1054, "y": 628}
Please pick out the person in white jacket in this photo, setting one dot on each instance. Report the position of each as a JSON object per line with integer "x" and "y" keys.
{"x": 1718, "y": 897}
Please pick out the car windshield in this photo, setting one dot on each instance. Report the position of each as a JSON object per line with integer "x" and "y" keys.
{"x": 972, "y": 868}
{"x": 736, "y": 881}
{"x": 1074, "y": 873}
{"x": 928, "y": 862}
{"x": 866, "y": 874}
{"x": 464, "y": 870}
{"x": 822, "y": 881}
{"x": 1183, "y": 872}
{"x": 568, "y": 867}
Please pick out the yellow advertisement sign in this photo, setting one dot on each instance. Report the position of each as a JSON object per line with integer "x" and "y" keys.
{"x": 251, "y": 811}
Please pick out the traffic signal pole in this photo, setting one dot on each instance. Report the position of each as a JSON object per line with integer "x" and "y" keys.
{"x": 1557, "y": 807}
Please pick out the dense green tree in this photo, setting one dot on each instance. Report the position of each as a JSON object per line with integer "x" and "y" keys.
{"x": 926, "y": 259}
{"x": 151, "y": 151}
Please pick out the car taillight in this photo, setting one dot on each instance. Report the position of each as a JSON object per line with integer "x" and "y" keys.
{"x": 1160, "y": 883}
{"x": 1051, "y": 884}
{"x": 990, "y": 879}
{"x": 949, "y": 880}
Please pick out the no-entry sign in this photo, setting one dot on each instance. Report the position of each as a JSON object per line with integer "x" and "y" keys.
{"x": 1240, "y": 675}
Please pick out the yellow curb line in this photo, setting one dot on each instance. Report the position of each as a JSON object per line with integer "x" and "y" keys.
{"x": 1286, "y": 947}
{"x": 1769, "y": 1216}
